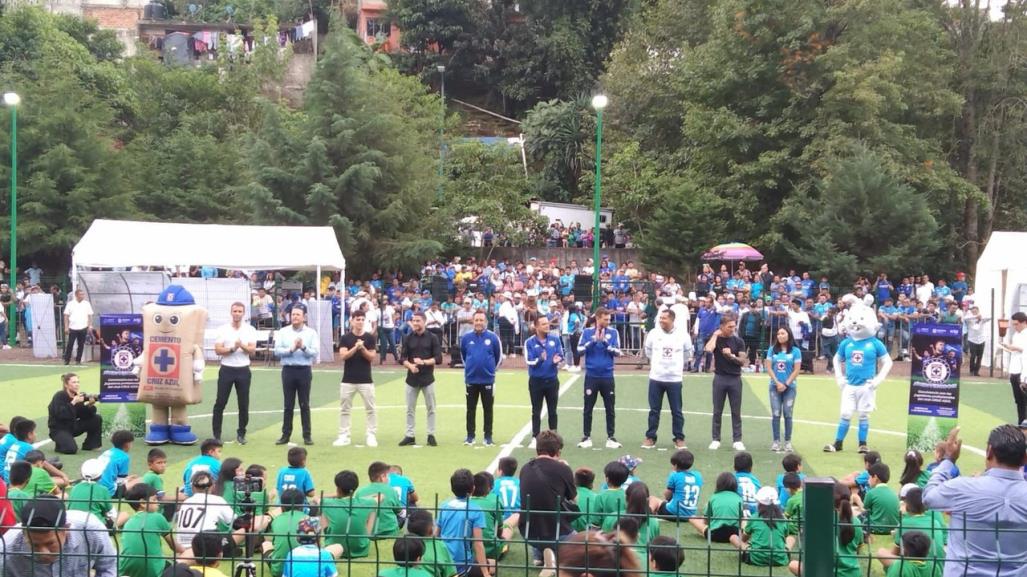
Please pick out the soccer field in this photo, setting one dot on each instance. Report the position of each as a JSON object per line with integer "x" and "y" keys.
{"x": 984, "y": 404}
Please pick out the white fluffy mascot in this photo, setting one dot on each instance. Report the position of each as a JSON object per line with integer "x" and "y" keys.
{"x": 860, "y": 366}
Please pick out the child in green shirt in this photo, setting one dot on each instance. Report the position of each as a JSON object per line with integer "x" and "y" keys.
{"x": 349, "y": 521}
{"x": 19, "y": 476}
{"x": 793, "y": 510}
{"x": 763, "y": 540}
{"x": 141, "y": 553}
{"x": 916, "y": 546}
{"x": 881, "y": 503}
{"x": 584, "y": 479}
{"x": 665, "y": 555}
{"x": 610, "y": 504}
{"x": 42, "y": 480}
{"x": 283, "y": 530}
{"x": 408, "y": 552}
{"x": 917, "y": 518}
{"x": 849, "y": 536}
{"x": 389, "y": 505}
{"x": 637, "y": 505}
{"x": 437, "y": 560}
{"x": 157, "y": 463}
{"x": 914, "y": 471}
{"x": 488, "y": 502}
{"x": 90, "y": 496}
{"x": 723, "y": 511}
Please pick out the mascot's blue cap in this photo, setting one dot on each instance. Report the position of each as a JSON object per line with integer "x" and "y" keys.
{"x": 175, "y": 295}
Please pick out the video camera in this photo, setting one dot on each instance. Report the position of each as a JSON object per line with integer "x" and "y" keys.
{"x": 248, "y": 484}
{"x": 90, "y": 397}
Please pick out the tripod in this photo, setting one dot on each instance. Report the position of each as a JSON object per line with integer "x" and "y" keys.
{"x": 247, "y": 568}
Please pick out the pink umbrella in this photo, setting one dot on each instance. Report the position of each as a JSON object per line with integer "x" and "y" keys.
{"x": 732, "y": 251}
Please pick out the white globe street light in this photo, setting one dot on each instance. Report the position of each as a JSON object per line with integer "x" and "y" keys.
{"x": 12, "y": 99}
{"x": 599, "y": 101}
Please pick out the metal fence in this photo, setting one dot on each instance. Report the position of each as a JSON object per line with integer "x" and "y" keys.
{"x": 367, "y": 547}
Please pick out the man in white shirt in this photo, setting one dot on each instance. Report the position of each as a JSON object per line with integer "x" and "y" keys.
{"x": 78, "y": 320}
{"x": 387, "y": 334}
{"x": 925, "y": 290}
{"x": 234, "y": 343}
{"x": 1016, "y": 346}
{"x": 976, "y": 334}
{"x": 797, "y": 319}
{"x": 668, "y": 348}
{"x": 509, "y": 325}
{"x": 681, "y": 312}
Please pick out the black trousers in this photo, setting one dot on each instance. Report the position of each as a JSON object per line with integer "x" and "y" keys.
{"x": 64, "y": 439}
{"x": 976, "y": 355}
{"x": 228, "y": 377}
{"x": 1019, "y": 397}
{"x": 296, "y": 384}
{"x": 74, "y": 337}
{"x": 539, "y": 390}
{"x": 729, "y": 386}
{"x": 507, "y": 336}
{"x": 575, "y": 355}
{"x": 487, "y": 400}
{"x": 594, "y": 388}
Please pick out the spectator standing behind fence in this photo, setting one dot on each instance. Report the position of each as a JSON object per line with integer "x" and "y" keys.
{"x": 297, "y": 347}
{"x": 509, "y": 327}
{"x": 976, "y": 334}
{"x": 1017, "y": 338}
{"x": 421, "y": 352}
{"x": 707, "y": 319}
{"x": 600, "y": 345}
{"x": 668, "y": 348}
{"x": 988, "y": 512}
{"x": 482, "y": 353}
{"x": 78, "y": 319}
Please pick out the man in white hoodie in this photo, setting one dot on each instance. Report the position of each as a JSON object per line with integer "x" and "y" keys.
{"x": 668, "y": 348}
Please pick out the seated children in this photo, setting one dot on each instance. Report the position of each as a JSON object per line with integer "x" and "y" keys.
{"x": 45, "y": 479}
{"x": 408, "y": 553}
{"x": 508, "y": 489}
{"x": 19, "y": 474}
{"x": 637, "y": 504}
{"x": 404, "y": 489}
{"x": 90, "y": 496}
{"x": 296, "y": 476}
{"x": 724, "y": 511}
{"x": 665, "y": 555}
{"x": 914, "y": 470}
{"x": 116, "y": 463}
{"x": 748, "y": 484}
{"x": 141, "y": 535}
{"x": 681, "y": 497}
{"x": 917, "y": 518}
{"x": 389, "y": 506}
{"x": 495, "y": 533}
{"x": 763, "y": 540}
{"x": 206, "y": 550}
{"x": 24, "y": 437}
{"x": 204, "y": 512}
{"x": 939, "y": 454}
{"x": 850, "y": 537}
{"x": 349, "y": 520}
{"x": 914, "y": 562}
{"x": 461, "y": 526}
{"x": 209, "y": 461}
{"x": 860, "y": 480}
{"x": 283, "y": 530}
{"x": 609, "y": 504}
{"x": 881, "y": 503}
{"x": 585, "y": 479}
{"x": 791, "y": 463}
{"x": 308, "y": 559}
{"x": 793, "y": 512}
{"x": 436, "y": 560}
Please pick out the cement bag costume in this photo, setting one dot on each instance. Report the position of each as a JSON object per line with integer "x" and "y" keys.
{"x": 861, "y": 352}
{"x": 171, "y": 366}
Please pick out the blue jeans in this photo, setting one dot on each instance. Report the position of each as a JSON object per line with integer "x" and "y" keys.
{"x": 830, "y": 345}
{"x": 782, "y": 403}
{"x": 701, "y": 356}
{"x": 677, "y": 418}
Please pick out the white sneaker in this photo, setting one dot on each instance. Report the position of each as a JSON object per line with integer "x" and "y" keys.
{"x": 738, "y": 446}
{"x": 342, "y": 441}
{"x": 371, "y": 441}
{"x": 612, "y": 443}
{"x": 7, "y": 347}
{"x": 714, "y": 445}
{"x": 775, "y": 447}
{"x": 531, "y": 445}
{"x": 585, "y": 443}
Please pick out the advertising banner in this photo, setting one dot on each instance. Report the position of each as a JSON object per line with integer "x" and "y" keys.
{"x": 937, "y": 355}
{"x": 121, "y": 341}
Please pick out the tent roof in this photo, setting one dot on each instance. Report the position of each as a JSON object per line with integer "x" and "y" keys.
{"x": 1003, "y": 251}
{"x": 124, "y": 243}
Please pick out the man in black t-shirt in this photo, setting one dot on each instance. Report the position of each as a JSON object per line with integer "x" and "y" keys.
{"x": 548, "y": 495}
{"x": 421, "y": 352}
{"x": 728, "y": 358}
{"x": 357, "y": 351}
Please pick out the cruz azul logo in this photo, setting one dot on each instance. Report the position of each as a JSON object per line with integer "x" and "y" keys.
{"x": 937, "y": 371}
{"x": 164, "y": 360}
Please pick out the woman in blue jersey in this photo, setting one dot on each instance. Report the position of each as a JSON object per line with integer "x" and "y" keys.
{"x": 783, "y": 362}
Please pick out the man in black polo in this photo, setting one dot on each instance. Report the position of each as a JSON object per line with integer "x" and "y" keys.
{"x": 728, "y": 357}
{"x": 421, "y": 352}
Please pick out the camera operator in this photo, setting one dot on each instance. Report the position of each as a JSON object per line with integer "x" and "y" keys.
{"x": 72, "y": 413}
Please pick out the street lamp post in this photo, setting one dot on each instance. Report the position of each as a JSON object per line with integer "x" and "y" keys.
{"x": 442, "y": 129}
{"x": 599, "y": 102}
{"x": 12, "y": 100}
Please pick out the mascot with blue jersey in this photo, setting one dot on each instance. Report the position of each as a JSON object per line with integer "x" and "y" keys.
{"x": 171, "y": 366}
{"x": 860, "y": 366}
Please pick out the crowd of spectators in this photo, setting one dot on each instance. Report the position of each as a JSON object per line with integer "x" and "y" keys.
{"x": 570, "y": 235}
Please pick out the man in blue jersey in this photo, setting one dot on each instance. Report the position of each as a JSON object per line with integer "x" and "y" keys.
{"x": 860, "y": 366}
{"x": 599, "y": 344}
{"x": 707, "y": 321}
{"x": 482, "y": 353}
{"x": 543, "y": 354}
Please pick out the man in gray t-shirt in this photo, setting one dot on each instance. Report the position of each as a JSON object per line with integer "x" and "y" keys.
{"x": 464, "y": 325}
{"x": 52, "y": 542}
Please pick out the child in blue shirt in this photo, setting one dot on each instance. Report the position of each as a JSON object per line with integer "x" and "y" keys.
{"x": 460, "y": 524}
{"x": 24, "y": 436}
{"x": 405, "y": 490}
{"x": 309, "y": 559}
{"x": 116, "y": 463}
{"x": 681, "y": 497}
{"x": 508, "y": 489}
{"x": 296, "y": 476}
{"x": 861, "y": 480}
{"x": 748, "y": 484}
{"x": 209, "y": 461}
{"x": 791, "y": 463}
{"x": 8, "y": 440}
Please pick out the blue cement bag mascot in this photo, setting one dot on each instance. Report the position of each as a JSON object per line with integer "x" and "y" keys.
{"x": 171, "y": 366}
{"x": 860, "y": 366}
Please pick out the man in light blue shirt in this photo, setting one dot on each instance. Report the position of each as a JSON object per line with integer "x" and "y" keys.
{"x": 988, "y": 512}
{"x": 296, "y": 346}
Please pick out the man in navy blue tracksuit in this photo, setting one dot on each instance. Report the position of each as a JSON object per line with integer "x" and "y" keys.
{"x": 599, "y": 345}
{"x": 543, "y": 354}
{"x": 482, "y": 354}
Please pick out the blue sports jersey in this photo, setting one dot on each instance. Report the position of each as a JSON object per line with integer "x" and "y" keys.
{"x": 115, "y": 466}
{"x": 955, "y": 470}
{"x": 782, "y": 364}
{"x": 402, "y": 486}
{"x": 748, "y": 484}
{"x": 457, "y": 521}
{"x": 685, "y": 486}
{"x": 861, "y": 359}
{"x": 5, "y": 444}
{"x": 201, "y": 463}
{"x": 863, "y": 482}
{"x": 309, "y": 561}
{"x": 294, "y": 478}
{"x": 16, "y": 452}
{"x": 508, "y": 490}
{"x": 782, "y": 493}
{"x": 599, "y": 354}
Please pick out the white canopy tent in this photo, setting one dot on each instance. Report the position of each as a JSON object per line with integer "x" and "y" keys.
{"x": 1001, "y": 269}
{"x": 122, "y": 243}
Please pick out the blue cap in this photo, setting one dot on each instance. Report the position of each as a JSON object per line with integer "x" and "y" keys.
{"x": 175, "y": 295}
